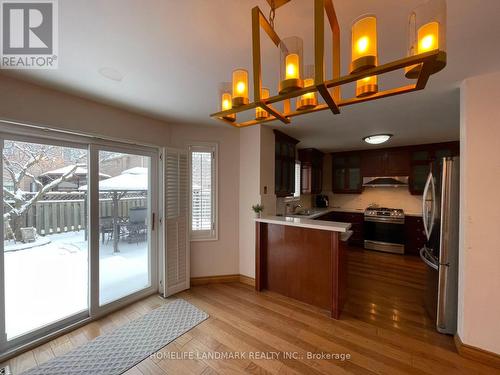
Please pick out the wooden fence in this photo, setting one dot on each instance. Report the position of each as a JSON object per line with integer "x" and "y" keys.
{"x": 51, "y": 216}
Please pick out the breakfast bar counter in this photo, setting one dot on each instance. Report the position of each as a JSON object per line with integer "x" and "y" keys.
{"x": 303, "y": 259}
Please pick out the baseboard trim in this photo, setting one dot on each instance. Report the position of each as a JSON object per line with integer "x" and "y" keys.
{"x": 205, "y": 280}
{"x": 218, "y": 279}
{"x": 247, "y": 280}
{"x": 477, "y": 354}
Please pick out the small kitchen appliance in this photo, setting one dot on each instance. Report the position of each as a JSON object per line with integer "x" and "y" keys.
{"x": 322, "y": 201}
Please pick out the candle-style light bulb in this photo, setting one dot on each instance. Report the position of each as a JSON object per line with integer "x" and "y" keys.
{"x": 226, "y": 102}
{"x": 292, "y": 66}
{"x": 362, "y": 44}
{"x": 428, "y": 37}
{"x": 240, "y": 87}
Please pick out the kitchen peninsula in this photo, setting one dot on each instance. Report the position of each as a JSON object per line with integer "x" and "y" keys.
{"x": 303, "y": 259}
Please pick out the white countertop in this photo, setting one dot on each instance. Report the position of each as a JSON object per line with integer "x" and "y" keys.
{"x": 350, "y": 210}
{"x": 322, "y": 211}
{"x": 306, "y": 223}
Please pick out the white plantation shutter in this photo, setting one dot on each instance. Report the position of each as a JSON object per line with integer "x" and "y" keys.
{"x": 203, "y": 192}
{"x": 176, "y": 223}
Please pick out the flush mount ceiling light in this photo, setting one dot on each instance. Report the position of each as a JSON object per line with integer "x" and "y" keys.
{"x": 377, "y": 139}
{"x": 426, "y": 56}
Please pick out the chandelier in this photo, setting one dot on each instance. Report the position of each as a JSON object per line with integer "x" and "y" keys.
{"x": 426, "y": 55}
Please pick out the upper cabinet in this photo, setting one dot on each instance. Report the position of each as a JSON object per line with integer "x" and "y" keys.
{"x": 311, "y": 166}
{"x": 349, "y": 168}
{"x": 284, "y": 155}
{"x": 346, "y": 173}
{"x": 385, "y": 162}
{"x": 425, "y": 158}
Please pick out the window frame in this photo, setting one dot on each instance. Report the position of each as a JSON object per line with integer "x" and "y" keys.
{"x": 293, "y": 197}
{"x": 92, "y": 143}
{"x": 213, "y": 234}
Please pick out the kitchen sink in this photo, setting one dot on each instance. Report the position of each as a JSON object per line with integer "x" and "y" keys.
{"x": 305, "y": 212}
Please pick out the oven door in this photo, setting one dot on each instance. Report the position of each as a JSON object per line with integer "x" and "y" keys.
{"x": 384, "y": 234}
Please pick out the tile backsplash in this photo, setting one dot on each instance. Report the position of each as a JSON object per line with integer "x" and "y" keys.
{"x": 384, "y": 197}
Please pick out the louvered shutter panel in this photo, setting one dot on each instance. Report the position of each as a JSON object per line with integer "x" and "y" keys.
{"x": 176, "y": 221}
{"x": 202, "y": 192}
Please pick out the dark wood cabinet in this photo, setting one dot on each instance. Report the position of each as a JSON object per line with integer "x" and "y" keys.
{"x": 346, "y": 173}
{"x": 357, "y": 221}
{"x": 284, "y": 157}
{"x": 349, "y": 168}
{"x": 425, "y": 158}
{"x": 385, "y": 162}
{"x": 311, "y": 166}
{"x": 307, "y": 264}
{"x": 414, "y": 234}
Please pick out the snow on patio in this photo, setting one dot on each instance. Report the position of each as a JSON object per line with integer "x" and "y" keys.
{"x": 49, "y": 282}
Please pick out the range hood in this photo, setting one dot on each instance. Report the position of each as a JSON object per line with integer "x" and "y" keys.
{"x": 396, "y": 181}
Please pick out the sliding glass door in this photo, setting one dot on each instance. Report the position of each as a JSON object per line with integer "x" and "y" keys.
{"x": 124, "y": 224}
{"x": 45, "y": 244}
{"x": 78, "y": 232}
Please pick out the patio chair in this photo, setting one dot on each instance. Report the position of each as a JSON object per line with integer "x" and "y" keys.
{"x": 137, "y": 227}
{"x": 106, "y": 227}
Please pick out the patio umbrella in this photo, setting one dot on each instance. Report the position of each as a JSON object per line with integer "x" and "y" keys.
{"x": 134, "y": 179}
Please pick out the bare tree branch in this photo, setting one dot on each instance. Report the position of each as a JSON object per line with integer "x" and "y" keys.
{"x": 20, "y": 211}
{"x": 9, "y": 169}
{"x": 8, "y": 193}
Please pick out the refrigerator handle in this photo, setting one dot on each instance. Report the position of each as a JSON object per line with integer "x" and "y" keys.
{"x": 429, "y": 221}
{"x": 444, "y": 244}
{"x": 425, "y": 257}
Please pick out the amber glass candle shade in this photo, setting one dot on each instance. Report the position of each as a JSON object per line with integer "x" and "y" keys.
{"x": 364, "y": 44}
{"x": 240, "y": 87}
{"x": 226, "y": 100}
{"x": 291, "y": 56}
{"x": 427, "y": 32}
{"x": 366, "y": 86}
{"x": 309, "y": 100}
{"x": 261, "y": 114}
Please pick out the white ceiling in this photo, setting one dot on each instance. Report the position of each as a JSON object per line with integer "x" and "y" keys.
{"x": 173, "y": 54}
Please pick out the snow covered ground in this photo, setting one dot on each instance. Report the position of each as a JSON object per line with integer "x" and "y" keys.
{"x": 50, "y": 282}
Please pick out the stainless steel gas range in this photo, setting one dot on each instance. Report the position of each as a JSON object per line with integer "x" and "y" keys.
{"x": 384, "y": 229}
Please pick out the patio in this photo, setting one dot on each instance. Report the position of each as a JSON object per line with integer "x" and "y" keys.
{"x": 49, "y": 282}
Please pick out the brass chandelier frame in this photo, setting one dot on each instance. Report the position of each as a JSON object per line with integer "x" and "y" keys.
{"x": 330, "y": 90}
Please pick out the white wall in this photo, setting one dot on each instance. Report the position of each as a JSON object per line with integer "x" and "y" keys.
{"x": 479, "y": 275}
{"x": 25, "y": 102}
{"x": 267, "y": 181}
{"x": 249, "y": 188}
{"x": 217, "y": 257}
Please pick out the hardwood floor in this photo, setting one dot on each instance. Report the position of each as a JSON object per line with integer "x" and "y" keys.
{"x": 383, "y": 328}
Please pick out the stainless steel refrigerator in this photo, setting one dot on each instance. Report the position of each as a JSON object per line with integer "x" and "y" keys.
{"x": 441, "y": 201}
